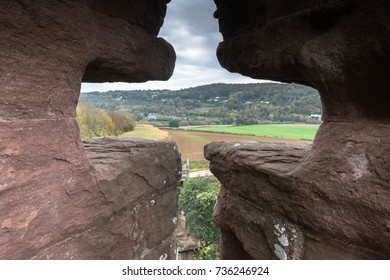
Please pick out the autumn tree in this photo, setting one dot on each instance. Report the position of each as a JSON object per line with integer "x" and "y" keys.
{"x": 122, "y": 121}
{"x": 94, "y": 122}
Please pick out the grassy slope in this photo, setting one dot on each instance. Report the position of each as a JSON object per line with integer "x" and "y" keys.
{"x": 305, "y": 132}
{"x": 147, "y": 132}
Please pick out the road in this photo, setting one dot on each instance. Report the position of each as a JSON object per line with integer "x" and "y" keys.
{"x": 201, "y": 173}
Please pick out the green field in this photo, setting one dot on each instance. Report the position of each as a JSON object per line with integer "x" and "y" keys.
{"x": 191, "y": 143}
{"x": 304, "y": 132}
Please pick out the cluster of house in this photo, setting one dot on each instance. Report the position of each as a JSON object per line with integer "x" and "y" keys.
{"x": 155, "y": 116}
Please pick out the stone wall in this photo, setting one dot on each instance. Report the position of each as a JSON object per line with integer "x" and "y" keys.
{"x": 54, "y": 199}
{"x": 336, "y": 197}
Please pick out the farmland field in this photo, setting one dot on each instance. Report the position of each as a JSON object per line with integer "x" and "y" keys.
{"x": 191, "y": 143}
{"x": 303, "y": 132}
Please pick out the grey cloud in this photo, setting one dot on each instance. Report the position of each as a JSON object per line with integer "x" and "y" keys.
{"x": 192, "y": 30}
{"x": 190, "y": 27}
{"x": 196, "y": 14}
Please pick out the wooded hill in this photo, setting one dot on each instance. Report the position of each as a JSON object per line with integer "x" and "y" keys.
{"x": 215, "y": 104}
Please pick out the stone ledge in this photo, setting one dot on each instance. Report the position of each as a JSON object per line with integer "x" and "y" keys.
{"x": 267, "y": 187}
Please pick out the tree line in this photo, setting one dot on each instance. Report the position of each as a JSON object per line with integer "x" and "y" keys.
{"x": 94, "y": 122}
{"x": 236, "y": 104}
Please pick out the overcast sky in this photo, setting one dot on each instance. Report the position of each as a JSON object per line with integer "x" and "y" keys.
{"x": 191, "y": 29}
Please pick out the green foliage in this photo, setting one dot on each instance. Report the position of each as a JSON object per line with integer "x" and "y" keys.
{"x": 208, "y": 252}
{"x": 240, "y": 104}
{"x": 198, "y": 197}
{"x": 194, "y": 165}
{"x": 174, "y": 123}
{"x": 122, "y": 121}
{"x": 94, "y": 122}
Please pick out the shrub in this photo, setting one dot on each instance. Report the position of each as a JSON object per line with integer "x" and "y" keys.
{"x": 122, "y": 121}
{"x": 94, "y": 122}
{"x": 197, "y": 198}
{"x": 174, "y": 123}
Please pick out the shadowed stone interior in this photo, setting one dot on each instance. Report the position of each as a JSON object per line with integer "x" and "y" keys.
{"x": 118, "y": 200}
{"x": 337, "y": 193}
{"x": 57, "y": 202}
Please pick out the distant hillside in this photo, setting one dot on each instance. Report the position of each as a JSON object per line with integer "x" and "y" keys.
{"x": 215, "y": 104}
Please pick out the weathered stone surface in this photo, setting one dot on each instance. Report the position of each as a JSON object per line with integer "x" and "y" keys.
{"x": 52, "y": 201}
{"x": 339, "y": 47}
{"x": 339, "y": 194}
{"x": 271, "y": 212}
{"x": 139, "y": 179}
{"x": 250, "y": 207}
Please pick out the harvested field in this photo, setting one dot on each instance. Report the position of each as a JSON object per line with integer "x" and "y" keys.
{"x": 191, "y": 143}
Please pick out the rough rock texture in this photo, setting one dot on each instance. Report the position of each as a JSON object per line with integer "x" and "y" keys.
{"x": 139, "y": 180}
{"x": 267, "y": 212}
{"x": 340, "y": 47}
{"x": 53, "y": 202}
{"x": 337, "y": 194}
